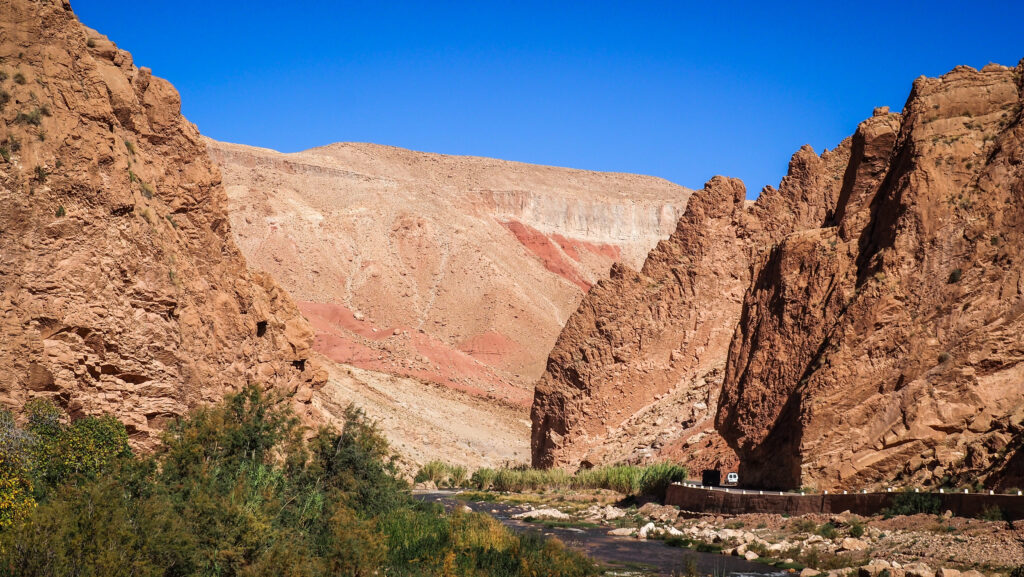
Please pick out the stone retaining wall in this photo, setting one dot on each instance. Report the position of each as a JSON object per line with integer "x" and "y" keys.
{"x": 735, "y": 502}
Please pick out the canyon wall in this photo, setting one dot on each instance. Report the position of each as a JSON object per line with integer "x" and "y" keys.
{"x": 889, "y": 344}
{"x": 861, "y": 325}
{"x": 121, "y": 289}
{"x": 635, "y": 374}
{"x": 455, "y": 270}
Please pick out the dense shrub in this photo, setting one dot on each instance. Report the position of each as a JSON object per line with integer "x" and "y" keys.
{"x": 856, "y": 529}
{"x": 911, "y": 503}
{"x": 650, "y": 480}
{"x": 239, "y": 489}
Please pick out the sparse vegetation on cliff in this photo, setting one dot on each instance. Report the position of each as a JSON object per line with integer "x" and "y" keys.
{"x": 236, "y": 489}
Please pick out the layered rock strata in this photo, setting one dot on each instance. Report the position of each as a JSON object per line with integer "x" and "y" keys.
{"x": 449, "y": 269}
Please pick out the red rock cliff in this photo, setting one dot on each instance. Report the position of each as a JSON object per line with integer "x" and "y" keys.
{"x": 889, "y": 344}
{"x": 120, "y": 287}
{"x": 636, "y": 372}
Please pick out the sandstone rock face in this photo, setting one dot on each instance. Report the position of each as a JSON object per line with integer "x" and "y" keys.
{"x": 636, "y": 373}
{"x": 121, "y": 289}
{"x": 889, "y": 343}
{"x": 455, "y": 270}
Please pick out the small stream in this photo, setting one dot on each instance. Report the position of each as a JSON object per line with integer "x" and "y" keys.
{"x": 630, "y": 554}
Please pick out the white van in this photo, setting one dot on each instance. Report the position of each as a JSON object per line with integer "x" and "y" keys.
{"x": 732, "y": 479}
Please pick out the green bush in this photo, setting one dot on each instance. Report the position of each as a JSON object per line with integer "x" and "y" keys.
{"x": 483, "y": 479}
{"x": 954, "y": 277}
{"x": 41, "y": 174}
{"x": 652, "y": 480}
{"x": 827, "y": 530}
{"x": 5, "y": 97}
{"x": 34, "y": 117}
{"x": 992, "y": 513}
{"x": 856, "y": 529}
{"x": 434, "y": 471}
{"x": 911, "y": 503}
{"x": 242, "y": 489}
{"x": 19, "y": 78}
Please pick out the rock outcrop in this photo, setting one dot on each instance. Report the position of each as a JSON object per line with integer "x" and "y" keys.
{"x": 889, "y": 343}
{"x": 635, "y": 374}
{"x": 456, "y": 270}
{"x": 121, "y": 289}
{"x": 875, "y": 303}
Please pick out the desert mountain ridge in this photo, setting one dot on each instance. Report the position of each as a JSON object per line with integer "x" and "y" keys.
{"x": 454, "y": 271}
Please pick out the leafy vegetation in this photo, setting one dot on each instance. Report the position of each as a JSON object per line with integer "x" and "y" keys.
{"x": 19, "y": 78}
{"x": 442, "y": 474}
{"x": 856, "y": 529}
{"x": 34, "y": 117}
{"x": 911, "y": 503}
{"x": 238, "y": 489}
{"x": 626, "y": 479}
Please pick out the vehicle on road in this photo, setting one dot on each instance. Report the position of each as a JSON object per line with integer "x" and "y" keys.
{"x": 732, "y": 479}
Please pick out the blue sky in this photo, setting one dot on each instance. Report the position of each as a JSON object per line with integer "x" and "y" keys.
{"x": 677, "y": 90}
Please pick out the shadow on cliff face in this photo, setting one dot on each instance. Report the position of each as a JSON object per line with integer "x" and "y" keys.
{"x": 778, "y": 466}
{"x": 1011, "y": 473}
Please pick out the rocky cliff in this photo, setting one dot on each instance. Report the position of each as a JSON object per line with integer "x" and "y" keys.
{"x": 121, "y": 289}
{"x": 456, "y": 270}
{"x": 889, "y": 343}
{"x": 874, "y": 304}
{"x": 635, "y": 374}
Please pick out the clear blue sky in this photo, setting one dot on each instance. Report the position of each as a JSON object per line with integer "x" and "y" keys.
{"x": 681, "y": 91}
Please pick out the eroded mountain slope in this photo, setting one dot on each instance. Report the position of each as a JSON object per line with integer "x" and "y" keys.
{"x": 455, "y": 270}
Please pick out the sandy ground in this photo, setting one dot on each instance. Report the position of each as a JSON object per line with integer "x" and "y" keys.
{"x": 425, "y": 421}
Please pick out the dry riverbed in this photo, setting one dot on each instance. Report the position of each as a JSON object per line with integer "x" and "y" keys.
{"x": 827, "y": 545}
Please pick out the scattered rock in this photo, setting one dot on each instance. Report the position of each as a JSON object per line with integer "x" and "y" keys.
{"x": 918, "y": 570}
{"x": 852, "y": 544}
{"x": 646, "y": 530}
{"x": 546, "y": 513}
{"x": 623, "y": 532}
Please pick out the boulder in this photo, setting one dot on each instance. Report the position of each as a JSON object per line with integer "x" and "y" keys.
{"x": 646, "y": 530}
{"x": 918, "y": 570}
{"x": 623, "y": 532}
{"x": 852, "y": 544}
{"x": 547, "y": 513}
